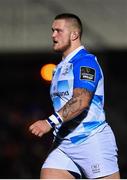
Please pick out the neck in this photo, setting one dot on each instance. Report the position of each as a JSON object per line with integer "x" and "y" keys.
{"x": 71, "y": 49}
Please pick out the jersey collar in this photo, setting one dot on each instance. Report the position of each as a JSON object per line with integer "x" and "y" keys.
{"x": 72, "y": 54}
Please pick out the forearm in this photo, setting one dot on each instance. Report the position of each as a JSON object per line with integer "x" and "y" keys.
{"x": 76, "y": 105}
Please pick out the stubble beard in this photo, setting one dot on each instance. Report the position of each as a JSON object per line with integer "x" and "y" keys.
{"x": 62, "y": 49}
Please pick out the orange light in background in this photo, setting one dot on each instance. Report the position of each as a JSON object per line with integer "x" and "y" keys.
{"x": 46, "y": 71}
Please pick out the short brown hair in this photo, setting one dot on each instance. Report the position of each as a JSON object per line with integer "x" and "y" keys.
{"x": 73, "y": 17}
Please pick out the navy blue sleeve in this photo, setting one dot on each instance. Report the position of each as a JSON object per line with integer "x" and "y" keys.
{"x": 86, "y": 72}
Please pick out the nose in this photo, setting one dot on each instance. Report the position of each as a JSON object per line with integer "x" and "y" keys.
{"x": 54, "y": 34}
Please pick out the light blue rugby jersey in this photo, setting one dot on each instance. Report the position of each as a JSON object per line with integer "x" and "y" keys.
{"x": 80, "y": 69}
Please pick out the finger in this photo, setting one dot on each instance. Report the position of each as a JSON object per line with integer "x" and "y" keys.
{"x": 31, "y": 127}
{"x": 40, "y": 134}
{"x": 34, "y": 131}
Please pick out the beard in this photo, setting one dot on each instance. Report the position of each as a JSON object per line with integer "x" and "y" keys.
{"x": 61, "y": 48}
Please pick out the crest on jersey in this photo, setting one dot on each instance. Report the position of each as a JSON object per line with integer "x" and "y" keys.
{"x": 66, "y": 69}
{"x": 87, "y": 73}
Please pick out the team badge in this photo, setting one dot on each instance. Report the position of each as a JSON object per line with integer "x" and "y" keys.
{"x": 87, "y": 73}
{"x": 66, "y": 68}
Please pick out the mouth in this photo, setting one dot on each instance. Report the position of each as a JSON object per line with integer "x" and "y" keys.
{"x": 55, "y": 42}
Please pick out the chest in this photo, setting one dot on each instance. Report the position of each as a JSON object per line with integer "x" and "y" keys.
{"x": 62, "y": 82}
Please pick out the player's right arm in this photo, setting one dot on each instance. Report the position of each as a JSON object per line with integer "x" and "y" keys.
{"x": 79, "y": 102}
{"x": 76, "y": 105}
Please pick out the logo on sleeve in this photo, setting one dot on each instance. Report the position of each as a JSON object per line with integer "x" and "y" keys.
{"x": 87, "y": 73}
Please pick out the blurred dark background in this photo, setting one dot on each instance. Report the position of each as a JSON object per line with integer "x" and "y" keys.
{"x": 25, "y": 46}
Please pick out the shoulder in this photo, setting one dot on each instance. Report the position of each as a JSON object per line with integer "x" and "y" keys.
{"x": 85, "y": 58}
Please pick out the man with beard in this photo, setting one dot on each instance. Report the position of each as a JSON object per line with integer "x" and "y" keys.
{"x": 84, "y": 144}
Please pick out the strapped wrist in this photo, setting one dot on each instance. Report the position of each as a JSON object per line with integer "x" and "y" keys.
{"x": 54, "y": 119}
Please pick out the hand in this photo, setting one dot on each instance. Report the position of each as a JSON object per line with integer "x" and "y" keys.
{"x": 39, "y": 128}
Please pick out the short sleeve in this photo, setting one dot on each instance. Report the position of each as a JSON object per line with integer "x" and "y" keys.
{"x": 86, "y": 73}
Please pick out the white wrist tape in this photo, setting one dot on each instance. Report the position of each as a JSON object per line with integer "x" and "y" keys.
{"x": 54, "y": 119}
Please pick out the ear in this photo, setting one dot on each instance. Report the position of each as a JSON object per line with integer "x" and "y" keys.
{"x": 74, "y": 35}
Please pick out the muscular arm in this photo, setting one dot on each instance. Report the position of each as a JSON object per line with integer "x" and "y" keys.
{"x": 80, "y": 101}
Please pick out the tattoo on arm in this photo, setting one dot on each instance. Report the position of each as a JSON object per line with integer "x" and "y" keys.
{"x": 76, "y": 104}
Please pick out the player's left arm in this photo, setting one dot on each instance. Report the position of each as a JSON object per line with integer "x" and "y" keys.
{"x": 77, "y": 104}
